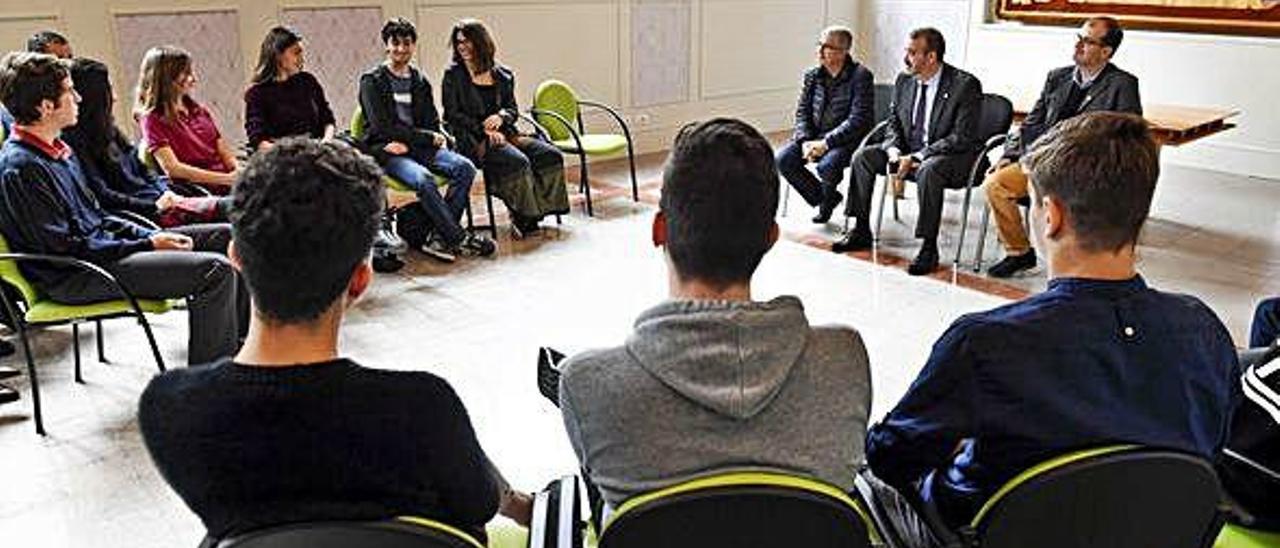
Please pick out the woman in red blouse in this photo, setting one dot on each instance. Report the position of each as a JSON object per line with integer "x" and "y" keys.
{"x": 176, "y": 130}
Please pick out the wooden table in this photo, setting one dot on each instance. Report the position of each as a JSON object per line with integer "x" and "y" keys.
{"x": 1172, "y": 125}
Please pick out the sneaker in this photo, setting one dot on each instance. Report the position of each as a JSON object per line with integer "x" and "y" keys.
{"x": 474, "y": 245}
{"x": 7, "y": 372}
{"x": 386, "y": 238}
{"x": 1012, "y": 264}
{"x": 7, "y": 394}
{"x": 437, "y": 249}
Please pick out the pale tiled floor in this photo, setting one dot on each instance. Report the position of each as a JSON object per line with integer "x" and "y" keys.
{"x": 479, "y": 324}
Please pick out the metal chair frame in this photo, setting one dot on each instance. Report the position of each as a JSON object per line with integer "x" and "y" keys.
{"x": 22, "y": 326}
{"x": 584, "y": 185}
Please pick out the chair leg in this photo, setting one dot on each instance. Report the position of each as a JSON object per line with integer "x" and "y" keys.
{"x": 155, "y": 350}
{"x": 488, "y": 206}
{"x": 586, "y": 182}
{"x": 635, "y": 186}
{"x": 982, "y": 238}
{"x": 102, "y": 356}
{"x": 884, "y": 193}
{"x": 964, "y": 222}
{"x": 471, "y": 222}
{"x": 75, "y": 345}
{"x": 31, "y": 372}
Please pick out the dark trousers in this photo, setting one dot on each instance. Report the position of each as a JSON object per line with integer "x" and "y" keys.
{"x": 1266, "y": 323}
{"x": 815, "y": 191}
{"x": 217, "y": 301}
{"x": 528, "y": 175}
{"x": 932, "y": 177}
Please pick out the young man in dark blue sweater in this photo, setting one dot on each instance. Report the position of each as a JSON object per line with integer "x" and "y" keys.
{"x": 288, "y": 430}
{"x": 1099, "y": 358}
{"x": 46, "y": 207}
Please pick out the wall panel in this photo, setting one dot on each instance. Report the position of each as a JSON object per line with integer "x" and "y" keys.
{"x": 660, "y": 60}
{"x": 16, "y": 28}
{"x": 754, "y": 46}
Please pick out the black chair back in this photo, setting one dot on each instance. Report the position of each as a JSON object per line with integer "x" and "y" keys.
{"x": 1139, "y": 497}
{"x": 884, "y": 98}
{"x": 756, "y": 516}
{"x": 380, "y": 534}
{"x": 997, "y": 116}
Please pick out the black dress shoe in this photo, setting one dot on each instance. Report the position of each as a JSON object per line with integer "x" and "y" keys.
{"x": 828, "y": 206}
{"x": 853, "y": 241}
{"x": 925, "y": 262}
{"x": 7, "y": 395}
{"x": 7, "y": 372}
{"x": 1012, "y": 264}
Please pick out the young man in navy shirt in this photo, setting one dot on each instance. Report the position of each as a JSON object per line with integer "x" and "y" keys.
{"x": 1099, "y": 358}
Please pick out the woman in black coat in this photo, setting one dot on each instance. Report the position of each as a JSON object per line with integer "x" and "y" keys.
{"x": 480, "y": 111}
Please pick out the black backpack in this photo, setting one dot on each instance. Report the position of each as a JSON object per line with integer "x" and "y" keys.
{"x": 412, "y": 225}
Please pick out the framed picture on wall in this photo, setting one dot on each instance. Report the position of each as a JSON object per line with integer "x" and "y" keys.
{"x": 1252, "y": 17}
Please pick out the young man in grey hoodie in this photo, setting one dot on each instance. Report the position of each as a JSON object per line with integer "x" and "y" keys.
{"x": 711, "y": 380}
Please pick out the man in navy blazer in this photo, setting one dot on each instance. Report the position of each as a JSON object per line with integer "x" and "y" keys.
{"x": 932, "y": 137}
{"x": 1091, "y": 83}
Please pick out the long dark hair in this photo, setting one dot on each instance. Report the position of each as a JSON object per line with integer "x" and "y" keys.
{"x": 95, "y": 129}
{"x": 481, "y": 43}
{"x": 277, "y": 41}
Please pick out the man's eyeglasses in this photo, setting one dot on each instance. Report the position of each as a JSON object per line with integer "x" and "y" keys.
{"x": 1088, "y": 40}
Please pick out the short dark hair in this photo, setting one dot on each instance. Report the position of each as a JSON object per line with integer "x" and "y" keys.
{"x": 41, "y": 40}
{"x": 27, "y": 79}
{"x": 481, "y": 43}
{"x": 719, "y": 198}
{"x": 933, "y": 40}
{"x": 399, "y": 27}
{"x": 304, "y": 216}
{"x": 1114, "y": 34}
{"x": 1103, "y": 167}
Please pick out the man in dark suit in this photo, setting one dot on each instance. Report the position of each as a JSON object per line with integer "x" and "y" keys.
{"x": 833, "y": 115}
{"x": 1090, "y": 84}
{"x": 932, "y": 137}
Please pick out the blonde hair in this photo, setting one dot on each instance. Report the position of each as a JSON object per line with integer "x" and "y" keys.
{"x": 158, "y": 89}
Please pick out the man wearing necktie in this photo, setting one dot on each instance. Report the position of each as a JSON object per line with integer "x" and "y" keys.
{"x": 932, "y": 138}
{"x": 1091, "y": 83}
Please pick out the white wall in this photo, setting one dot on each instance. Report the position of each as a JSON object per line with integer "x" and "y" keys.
{"x": 1174, "y": 68}
{"x": 663, "y": 62}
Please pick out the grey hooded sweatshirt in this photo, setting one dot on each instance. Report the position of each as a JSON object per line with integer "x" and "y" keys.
{"x": 709, "y": 386}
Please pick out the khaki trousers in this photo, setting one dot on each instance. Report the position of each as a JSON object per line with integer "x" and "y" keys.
{"x": 1003, "y": 188}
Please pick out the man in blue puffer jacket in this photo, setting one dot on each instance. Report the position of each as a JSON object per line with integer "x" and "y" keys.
{"x": 833, "y": 115}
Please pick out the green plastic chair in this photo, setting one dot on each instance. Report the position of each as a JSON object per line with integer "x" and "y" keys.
{"x": 1236, "y": 536}
{"x": 1115, "y": 496}
{"x": 38, "y": 311}
{"x": 557, "y": 109}
{"x": 403, "y": 532}
{"x": 741, "y": 509}
{"x": 358, "y": 128}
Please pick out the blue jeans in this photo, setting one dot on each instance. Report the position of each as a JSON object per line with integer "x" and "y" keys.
{"x": 791, "y": 164}
{"x": 419, "y": 174}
